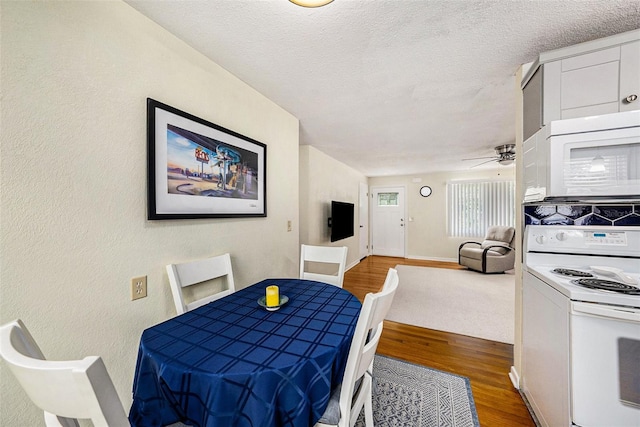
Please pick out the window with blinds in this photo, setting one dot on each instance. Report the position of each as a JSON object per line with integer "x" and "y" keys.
{"x": 474, "y": 206}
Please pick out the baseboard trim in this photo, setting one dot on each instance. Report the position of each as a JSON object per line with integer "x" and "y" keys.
{"x": 353, "y": 264}
{"x": 515, "y": 378}
{"x": 424, "y": 258}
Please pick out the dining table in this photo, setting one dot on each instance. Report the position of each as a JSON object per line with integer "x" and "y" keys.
{"x": 233, "y": 362}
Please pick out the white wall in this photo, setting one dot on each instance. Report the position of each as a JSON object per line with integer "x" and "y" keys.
{"x": 323, "y": 179}
{"x": 426, "y": 222}
{"x": 75, "y": 78}
{"x": 517, "y": 349}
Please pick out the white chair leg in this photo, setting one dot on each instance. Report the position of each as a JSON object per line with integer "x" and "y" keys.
{"x": 368, "y": 411}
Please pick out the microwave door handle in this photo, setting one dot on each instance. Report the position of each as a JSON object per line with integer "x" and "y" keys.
{"x": 609, "y": 312}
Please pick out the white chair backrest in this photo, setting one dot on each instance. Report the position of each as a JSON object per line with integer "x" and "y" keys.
{"x": 324, "y": 254}
{"x": 196, "y": 272}
{"x": 65, "y": 390}
{"x": 365, "y": 342}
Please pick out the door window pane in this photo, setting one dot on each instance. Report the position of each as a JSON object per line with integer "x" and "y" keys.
{"x": 387, "y": 199}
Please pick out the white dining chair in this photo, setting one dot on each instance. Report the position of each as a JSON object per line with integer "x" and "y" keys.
{"x": 64, "y": 390}
{"x": 331, "y": 256}
{"x": 347, "y": 401}
{"x": 196, "y": 273}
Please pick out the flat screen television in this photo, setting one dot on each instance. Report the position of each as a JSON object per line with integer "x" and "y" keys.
{"x": 341, "y": 220}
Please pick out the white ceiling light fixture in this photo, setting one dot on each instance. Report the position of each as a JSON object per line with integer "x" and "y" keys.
{"x": 311, "y": 3}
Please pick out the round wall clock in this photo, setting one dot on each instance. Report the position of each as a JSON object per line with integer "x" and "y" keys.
{"x": 425, "y": 191}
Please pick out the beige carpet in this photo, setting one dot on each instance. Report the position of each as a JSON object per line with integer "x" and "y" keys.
{"x": 459, "y": 301}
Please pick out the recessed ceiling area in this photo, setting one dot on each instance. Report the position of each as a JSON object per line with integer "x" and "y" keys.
{"x": 391, "y": 87}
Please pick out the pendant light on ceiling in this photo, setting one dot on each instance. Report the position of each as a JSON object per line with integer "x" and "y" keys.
{"x": 311, "y": 3}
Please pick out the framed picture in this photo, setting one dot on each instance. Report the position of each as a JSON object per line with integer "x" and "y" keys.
{"x": 197, "y": 169}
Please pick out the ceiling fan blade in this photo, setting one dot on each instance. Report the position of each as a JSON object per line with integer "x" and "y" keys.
{"x": 479, "y": 164}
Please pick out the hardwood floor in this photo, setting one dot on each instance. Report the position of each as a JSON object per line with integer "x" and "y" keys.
{"x": 485, "y": 363}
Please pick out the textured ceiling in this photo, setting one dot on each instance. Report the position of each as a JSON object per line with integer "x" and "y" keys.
{"x": 391, "y": 87}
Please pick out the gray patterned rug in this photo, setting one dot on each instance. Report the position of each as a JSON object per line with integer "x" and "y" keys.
{"x": 406, "y": 394}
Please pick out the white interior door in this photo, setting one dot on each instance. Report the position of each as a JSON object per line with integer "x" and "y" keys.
{"x": 388, "y": 224}
{"x": 364, "y": 220}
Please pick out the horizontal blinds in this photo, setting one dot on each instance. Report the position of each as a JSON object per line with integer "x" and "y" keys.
{"x": 474, "y": 206}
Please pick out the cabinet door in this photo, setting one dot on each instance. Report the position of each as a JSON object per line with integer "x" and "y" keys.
{"x": 545, "y": 352}
{"x": 589, "y": 84}
{"x": 535, "y": 153}
{"x": 529, "y": 159}
{"x": 532, "y": 105}
{"x": 577, "y": 84}
{"x": 630, "y": 75}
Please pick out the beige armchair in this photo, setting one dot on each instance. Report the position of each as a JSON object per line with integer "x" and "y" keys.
{"x": 495, "y": 254}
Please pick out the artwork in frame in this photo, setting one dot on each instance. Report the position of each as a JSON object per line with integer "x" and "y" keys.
{"x": 197, "y": 169}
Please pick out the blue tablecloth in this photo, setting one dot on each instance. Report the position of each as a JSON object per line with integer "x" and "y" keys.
{"x": 233, "y": 363}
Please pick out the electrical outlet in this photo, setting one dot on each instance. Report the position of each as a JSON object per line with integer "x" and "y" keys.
{"x": 138, "y": 287}
{"x": 289, "y": 225}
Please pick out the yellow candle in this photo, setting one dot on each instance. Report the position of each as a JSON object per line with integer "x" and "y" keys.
{"x": 273, "y": 297}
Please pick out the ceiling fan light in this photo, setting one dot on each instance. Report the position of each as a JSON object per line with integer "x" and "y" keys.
{"x": 505, "y": 162}
{"x": 311, "y": 3}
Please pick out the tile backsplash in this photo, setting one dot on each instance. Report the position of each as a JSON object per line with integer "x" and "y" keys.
{"x": 611, "y": 215}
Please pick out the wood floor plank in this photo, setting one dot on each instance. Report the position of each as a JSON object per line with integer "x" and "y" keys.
{"x": 485, "y": 363}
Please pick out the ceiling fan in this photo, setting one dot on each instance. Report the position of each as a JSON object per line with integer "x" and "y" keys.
{"x": 505, "y": 155}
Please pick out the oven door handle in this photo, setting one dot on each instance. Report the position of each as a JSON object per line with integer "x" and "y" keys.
{"x": 609, "y": 312}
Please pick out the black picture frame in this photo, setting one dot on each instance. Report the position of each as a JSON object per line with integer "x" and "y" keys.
{"x": 197, "y": 169}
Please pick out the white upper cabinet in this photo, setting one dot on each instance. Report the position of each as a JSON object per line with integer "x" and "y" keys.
{"x": 630, "y": 76}
{"x": 594, "y": 83}
{"x": 593, "y": 78}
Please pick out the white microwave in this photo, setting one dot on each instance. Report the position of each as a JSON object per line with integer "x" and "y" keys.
{"x": 595, "y": 157}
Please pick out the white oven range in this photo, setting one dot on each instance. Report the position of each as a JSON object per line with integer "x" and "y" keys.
{"x": 581, "y": 343}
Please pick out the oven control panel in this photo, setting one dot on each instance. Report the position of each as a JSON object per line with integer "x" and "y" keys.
{"x": 613, "y": 241}
{"x": 605, "y": 238}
